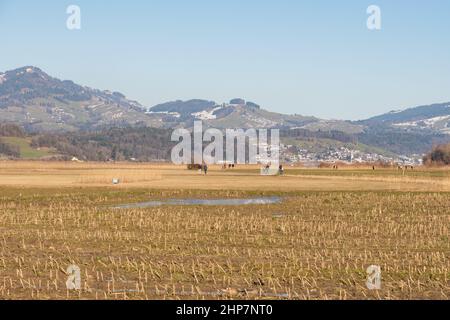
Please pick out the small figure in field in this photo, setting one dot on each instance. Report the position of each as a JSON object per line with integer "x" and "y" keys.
{"x": 205, "y": 168}
{"x": 373, "y": 168}
{"x": 281, "y": 170}
{"x": 403, "y": 169}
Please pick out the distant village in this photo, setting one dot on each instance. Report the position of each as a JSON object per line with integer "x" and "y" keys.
{"x": 294, "y": 154}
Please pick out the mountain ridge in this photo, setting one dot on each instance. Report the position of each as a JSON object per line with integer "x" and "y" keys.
{"x": 40, "y": 103}
{"x": 29, "y": 88}
{"x": 434, "y": 117}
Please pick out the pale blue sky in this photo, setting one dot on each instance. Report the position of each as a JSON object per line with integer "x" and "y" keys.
{"x": 291, "y": 56}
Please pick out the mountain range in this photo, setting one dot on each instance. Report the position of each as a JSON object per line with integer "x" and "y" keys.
{"x": 40, "y": 103}
{"x": 33, "y": 99}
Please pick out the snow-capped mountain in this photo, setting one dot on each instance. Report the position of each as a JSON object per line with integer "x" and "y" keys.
{"x": 33, "y": 99}
{"x": 239, "y": 113}
{"x": 39, "y": 102}
{"x": 430, "y": 118}
{"x": 437, "y": 123}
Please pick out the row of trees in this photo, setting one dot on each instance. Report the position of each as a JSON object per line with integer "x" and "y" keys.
{"x": 11, "y": 130}
{"x": 9, "y": 150}
{"x": 117, "y": 144}
{"x": 439, "y": 156}
{"x": 147, "y": 144}
{"x": 308, "y": 134}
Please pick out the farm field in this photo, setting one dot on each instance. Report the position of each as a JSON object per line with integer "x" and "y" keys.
{"x": 316, "y": 244}
{"x": 26, "y": 151}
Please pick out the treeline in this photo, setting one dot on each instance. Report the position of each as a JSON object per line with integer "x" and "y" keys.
{"x": 116, "y": 144}
{"x": 307, "y": 134}
{"x": 11, "y": 130}
{"x": 439, "y": 156}
{"x": 383, "y": 137}
{"x": 9, "y": 150}
{"x": 400, "y": 141}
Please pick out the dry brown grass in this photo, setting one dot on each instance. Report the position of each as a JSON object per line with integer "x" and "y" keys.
{"x": 60, "y": 174}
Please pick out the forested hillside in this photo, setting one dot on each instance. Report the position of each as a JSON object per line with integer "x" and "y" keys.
{"x": 117, "y": 144}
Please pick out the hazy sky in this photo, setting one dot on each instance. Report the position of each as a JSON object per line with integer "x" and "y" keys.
{"x": 307, "y": 57}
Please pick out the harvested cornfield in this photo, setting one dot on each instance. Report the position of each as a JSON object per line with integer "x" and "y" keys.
{"x": 312, "y": 245}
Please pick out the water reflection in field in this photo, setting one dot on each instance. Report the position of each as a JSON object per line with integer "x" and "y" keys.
{"x": 202, "y": 202}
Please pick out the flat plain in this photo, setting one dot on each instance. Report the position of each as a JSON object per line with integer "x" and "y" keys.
{"x": 316, "y": 244}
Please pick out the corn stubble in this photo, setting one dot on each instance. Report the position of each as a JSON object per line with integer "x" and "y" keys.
{"x": 318, "y": 246}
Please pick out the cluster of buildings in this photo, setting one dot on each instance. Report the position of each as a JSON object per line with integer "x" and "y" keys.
{"x": 294, "y": 154}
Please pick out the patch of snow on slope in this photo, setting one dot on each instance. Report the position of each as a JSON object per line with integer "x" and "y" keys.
{"x": 173, "y": 114}
{"x": 426, "y": 123}
{"x": 93, "y": 107}
{"x": 206, "y": 115}
{"x": 117, "y": 116}
{"x": 406, "y": 124}
{"x": 2, "y": 78}
{"x": 260, "y": 122}
{"x": 433, "y": 121}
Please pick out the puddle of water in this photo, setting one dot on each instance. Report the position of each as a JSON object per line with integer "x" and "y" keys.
{"x": 199, "y": 202}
